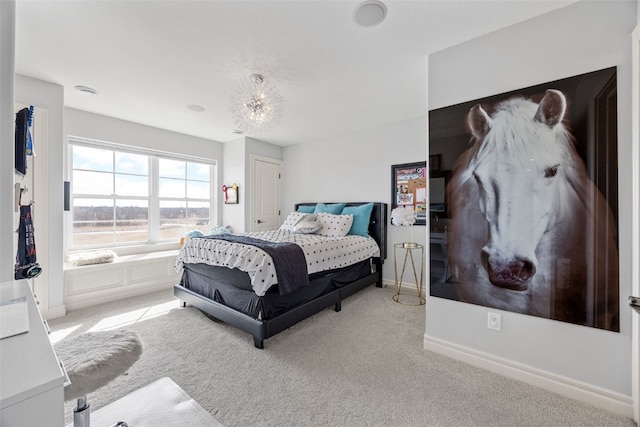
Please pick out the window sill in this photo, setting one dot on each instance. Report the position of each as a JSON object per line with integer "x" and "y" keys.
{"x": 132, "y": 249}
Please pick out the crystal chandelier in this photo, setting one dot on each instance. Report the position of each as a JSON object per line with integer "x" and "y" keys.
{"x": 256, "y": 105}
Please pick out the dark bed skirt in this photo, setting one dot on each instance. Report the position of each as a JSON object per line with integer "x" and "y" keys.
{"x": 224, "y": 301}
{"x": 232, "y": 288}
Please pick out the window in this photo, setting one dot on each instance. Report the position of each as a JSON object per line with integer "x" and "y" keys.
{"x": 184, "y": 200}
{"x": 122, "y": 196}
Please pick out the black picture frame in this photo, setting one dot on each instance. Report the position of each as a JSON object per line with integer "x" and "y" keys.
{"x": 409, "y": 188}
{"x": 582, "y": 286}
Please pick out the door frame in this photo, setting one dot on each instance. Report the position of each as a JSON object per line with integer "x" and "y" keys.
{"x": 253, "y": 158}
{"x": 635, "y": 218}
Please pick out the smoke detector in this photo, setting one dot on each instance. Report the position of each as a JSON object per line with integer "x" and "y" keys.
{"x": 370, "y": 13}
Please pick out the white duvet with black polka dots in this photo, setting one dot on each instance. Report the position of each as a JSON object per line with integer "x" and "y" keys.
{"x": 322, "y": 253}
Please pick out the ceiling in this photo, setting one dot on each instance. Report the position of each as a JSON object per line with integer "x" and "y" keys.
{"x": 150, "y": 59}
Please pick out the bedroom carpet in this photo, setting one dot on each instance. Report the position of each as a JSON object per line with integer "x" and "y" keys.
{"x": 363, "y": 366}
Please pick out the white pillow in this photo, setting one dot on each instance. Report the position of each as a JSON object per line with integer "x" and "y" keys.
{"x": 292, "y": 220}
{"x": 309, "y": 224}
{"x": 334, "y": 225}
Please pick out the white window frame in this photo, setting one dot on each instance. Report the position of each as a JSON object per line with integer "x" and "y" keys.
{"x": 154, "y": 243}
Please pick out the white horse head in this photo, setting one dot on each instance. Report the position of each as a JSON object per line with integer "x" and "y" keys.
{"x": 522, "y": 202}
{"x": 521, "y": 158}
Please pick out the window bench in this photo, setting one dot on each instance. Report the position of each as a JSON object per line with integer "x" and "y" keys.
{"x": 126, "y": 276}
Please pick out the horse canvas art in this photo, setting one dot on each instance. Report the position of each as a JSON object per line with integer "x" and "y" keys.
{"x": 529, "y": 231}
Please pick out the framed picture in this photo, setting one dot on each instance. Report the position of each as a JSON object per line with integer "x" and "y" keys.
{"x": 409, "y": 188}
{"x": 533, "y": 200}
{"x": 230, "y": 194}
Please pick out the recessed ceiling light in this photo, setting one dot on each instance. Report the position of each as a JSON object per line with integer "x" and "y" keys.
{"x": 370, "y": 13}
{"x": 86, "y": 90}
{"x": 196, "y": 108}
{"x": 237, "y": 131}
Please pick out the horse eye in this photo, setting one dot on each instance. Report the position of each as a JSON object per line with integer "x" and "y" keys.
{"x": 551, "y": 172}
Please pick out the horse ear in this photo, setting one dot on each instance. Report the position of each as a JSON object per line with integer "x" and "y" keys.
{"x": 479, "y": 121}
{"x": 551, "y": 108}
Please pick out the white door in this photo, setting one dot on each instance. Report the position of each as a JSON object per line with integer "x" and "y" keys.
{"x": 635, "y": 227}
{"x": 266, "y": 194}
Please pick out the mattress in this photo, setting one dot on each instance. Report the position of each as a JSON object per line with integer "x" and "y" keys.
{"x": 322, "y": 253}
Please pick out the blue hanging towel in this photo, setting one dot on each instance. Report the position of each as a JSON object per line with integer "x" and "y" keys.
{"x": 30, "y": 151}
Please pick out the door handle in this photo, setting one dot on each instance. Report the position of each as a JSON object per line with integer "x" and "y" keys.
{"x": 634, "y": 302}
{"x": 259, "y": 221}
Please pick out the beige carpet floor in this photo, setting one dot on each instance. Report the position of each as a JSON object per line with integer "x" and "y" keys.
{"x": 363, "y": 366}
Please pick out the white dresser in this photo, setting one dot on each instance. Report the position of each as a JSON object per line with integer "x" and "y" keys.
{"x": 31, "y": 379}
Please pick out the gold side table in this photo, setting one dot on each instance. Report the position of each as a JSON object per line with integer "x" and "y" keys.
{"x": 409, "y": 249}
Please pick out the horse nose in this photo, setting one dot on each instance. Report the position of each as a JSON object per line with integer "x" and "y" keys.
{"x": 513, "y": 273}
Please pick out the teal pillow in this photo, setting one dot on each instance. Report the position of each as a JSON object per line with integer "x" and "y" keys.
{"x": 307, "y": 209}
{"x": 361, "y": 215}
{"x": 334, "y": 209}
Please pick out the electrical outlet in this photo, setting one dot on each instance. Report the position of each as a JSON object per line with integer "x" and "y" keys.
{"x": 494, "y": 321}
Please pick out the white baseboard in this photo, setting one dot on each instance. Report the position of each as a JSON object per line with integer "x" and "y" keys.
{"x": 403, "y": 285}
{"x": 611, "y": 401}
{"x": 614, "y": 402}
{"x": 55, "y": 312}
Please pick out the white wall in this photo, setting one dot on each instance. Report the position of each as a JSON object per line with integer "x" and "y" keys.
{"x": 102, "y": 128}
{"x": 7, "y": 71}
{"x": 234, "y": 172}
{"x": 579, "y": 38}
{"x": 355, "y": 168}
{"x": 261, "y": 148}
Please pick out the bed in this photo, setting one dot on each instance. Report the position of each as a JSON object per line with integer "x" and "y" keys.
{"x": 242, "y": 299}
